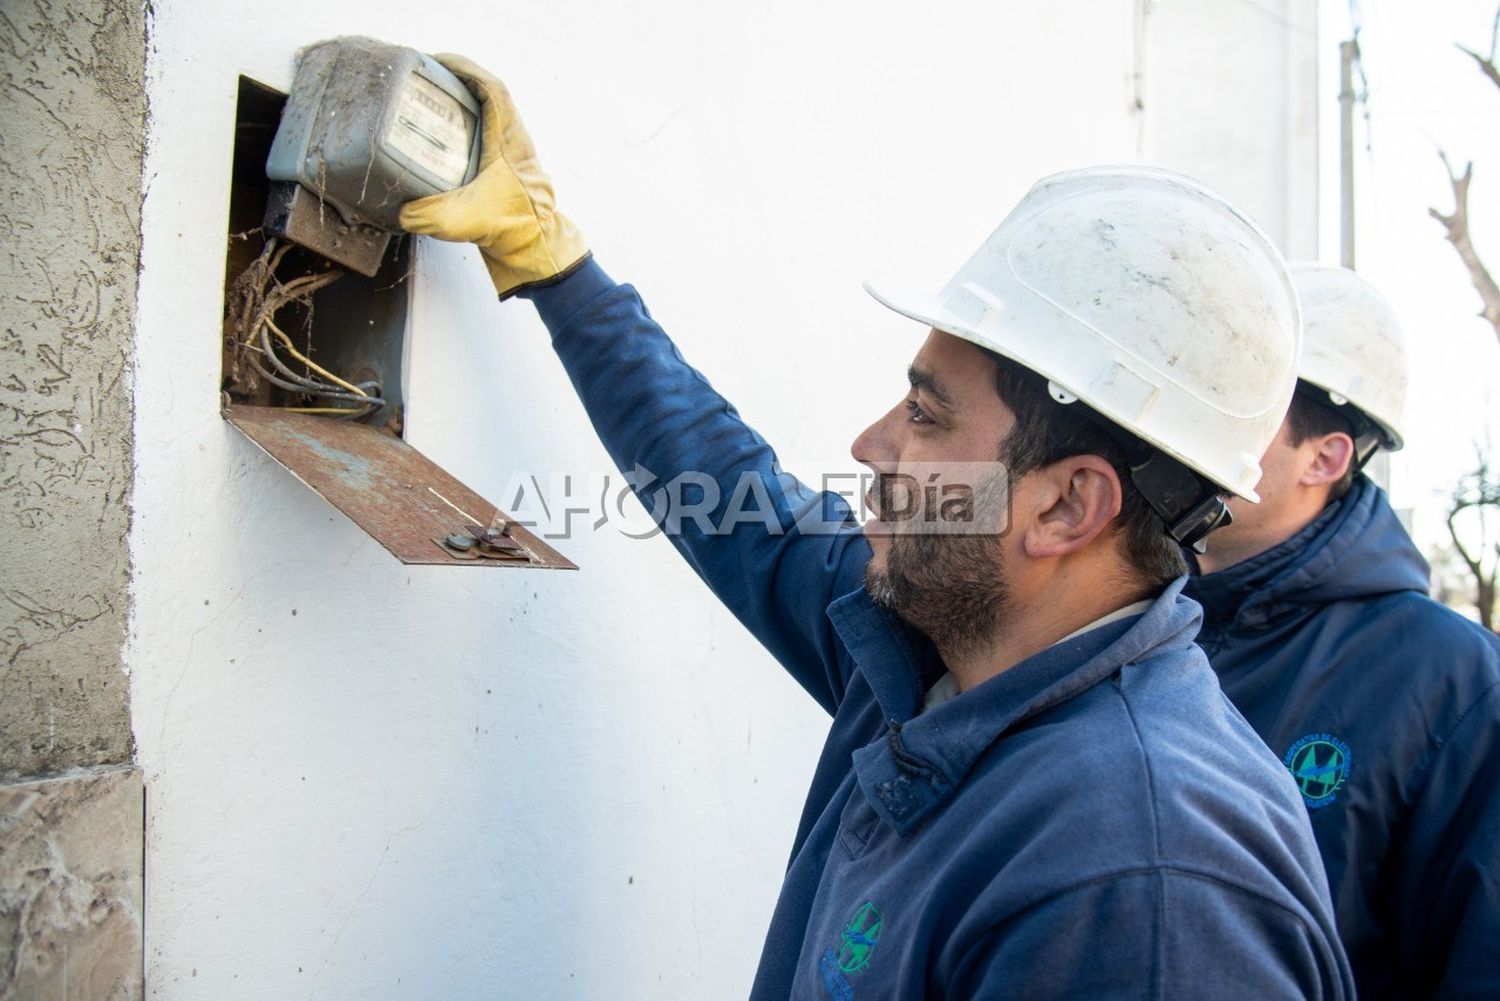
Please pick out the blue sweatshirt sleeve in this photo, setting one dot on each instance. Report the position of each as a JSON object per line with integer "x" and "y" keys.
{"x": 774, "y": 552}
{"x": 1448, "y": 910}
{"x": 1159, "y": 934}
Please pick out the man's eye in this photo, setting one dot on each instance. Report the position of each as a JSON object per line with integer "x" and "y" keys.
{"x": 916, "y": 414}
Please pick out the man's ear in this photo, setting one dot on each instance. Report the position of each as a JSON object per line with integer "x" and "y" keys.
{"x": 1075, "y": 499}
{"x": 1329, "y": 460}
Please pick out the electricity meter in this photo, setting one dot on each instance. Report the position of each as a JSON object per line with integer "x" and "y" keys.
{"x": 367, "y": 127}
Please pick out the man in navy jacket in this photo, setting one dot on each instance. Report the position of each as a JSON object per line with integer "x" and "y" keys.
{"x": 1032, "y": 786}
{"x": 1384, "y": 705}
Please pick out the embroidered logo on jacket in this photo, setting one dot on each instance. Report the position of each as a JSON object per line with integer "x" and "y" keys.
{"x": 1320, "y": 764}
{"x": 852, "y": 954}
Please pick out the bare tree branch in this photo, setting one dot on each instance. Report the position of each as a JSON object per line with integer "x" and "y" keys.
{"x": 1478, "y": 491}
{"x": 1457, "y": 224}
{"x": 1475, "y": 566}
{"x": 1486, "y": 66}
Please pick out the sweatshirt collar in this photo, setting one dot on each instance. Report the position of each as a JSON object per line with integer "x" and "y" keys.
{"x": 922, "y": 759}
{"x": 947, "y": 686}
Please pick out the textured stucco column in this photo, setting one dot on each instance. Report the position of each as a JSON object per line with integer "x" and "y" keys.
{"x": 70, "y": 886}
{"x": 70, "y": 201}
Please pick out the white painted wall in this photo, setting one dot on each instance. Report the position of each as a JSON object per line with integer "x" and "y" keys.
{"x": 1231, "y": 95}
{"x": 369, "y": 781}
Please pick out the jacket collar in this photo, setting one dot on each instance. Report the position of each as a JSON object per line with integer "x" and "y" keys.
{"x": 1224, "y": 594}
{"x": 1355, "y": 548}
{"x": 924, "y": 758}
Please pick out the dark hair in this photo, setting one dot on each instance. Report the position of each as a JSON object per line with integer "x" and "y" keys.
{"x": 1312, "y": 416}
{"x": 1046, "y": 432}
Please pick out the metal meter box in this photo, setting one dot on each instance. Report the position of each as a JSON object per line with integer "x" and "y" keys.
{"x": 368, "y": 126}
{"x": 352, "y": 454}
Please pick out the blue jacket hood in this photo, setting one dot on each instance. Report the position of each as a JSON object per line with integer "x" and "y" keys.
{"x": 1357, "y": 548}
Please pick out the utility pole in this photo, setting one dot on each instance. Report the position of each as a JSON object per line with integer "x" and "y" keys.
{"x": 1348, "y": 52}
{"x": 1379, "y": 466}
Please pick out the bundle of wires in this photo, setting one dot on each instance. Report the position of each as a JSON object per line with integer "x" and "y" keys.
{"x": 259, "y": 295}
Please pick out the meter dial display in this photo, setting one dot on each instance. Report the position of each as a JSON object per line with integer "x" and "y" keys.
{"x": 431, "y": 128}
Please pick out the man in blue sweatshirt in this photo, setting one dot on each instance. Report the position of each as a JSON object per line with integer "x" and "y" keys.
{"x": 1384, "y": 705}
{"x": 1032, "y": 786}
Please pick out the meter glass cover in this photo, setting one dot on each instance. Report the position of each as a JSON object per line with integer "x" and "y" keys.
{"x": 431, "y": 128}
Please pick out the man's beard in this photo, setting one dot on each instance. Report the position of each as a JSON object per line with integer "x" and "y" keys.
{"x": 950, "y": 587}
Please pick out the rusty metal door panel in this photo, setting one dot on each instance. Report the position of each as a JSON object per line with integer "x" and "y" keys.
{"x": 399, "y": 496}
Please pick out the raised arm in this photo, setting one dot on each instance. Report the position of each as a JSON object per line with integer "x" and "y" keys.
{"x": 775, "y": 552}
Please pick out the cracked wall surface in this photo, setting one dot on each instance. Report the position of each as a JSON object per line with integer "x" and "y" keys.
{"x": 70, "y": 184}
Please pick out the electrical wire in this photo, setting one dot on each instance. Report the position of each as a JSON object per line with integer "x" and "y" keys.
{"x": 344, "y": 413}
{"x": 303, "y": 390}
{"x": 307, "y": 385}
{"x": 262, "y": 295}
{"x": 292, "y": 350}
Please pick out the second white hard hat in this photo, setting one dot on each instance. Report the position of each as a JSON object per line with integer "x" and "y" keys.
{"x": 1146, "y": 296}
{"x": 1352, "y": 345}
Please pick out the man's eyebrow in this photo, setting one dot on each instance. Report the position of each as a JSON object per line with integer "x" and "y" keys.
{"x": 924, "y": 381}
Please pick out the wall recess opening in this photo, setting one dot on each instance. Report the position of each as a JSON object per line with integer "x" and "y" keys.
{"x": 312, "y": 372}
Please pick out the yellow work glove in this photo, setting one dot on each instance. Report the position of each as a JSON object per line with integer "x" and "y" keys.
{"x": 508, "y": 210}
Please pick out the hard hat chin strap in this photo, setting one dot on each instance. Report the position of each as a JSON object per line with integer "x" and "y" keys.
{"x": 1366, "y": 444}
{"x": 1190, "y": 506}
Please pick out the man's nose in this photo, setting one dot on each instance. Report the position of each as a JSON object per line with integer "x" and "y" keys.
{"x": 876, "y": 445}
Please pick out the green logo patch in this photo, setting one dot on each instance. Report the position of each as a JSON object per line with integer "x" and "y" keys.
{"x": 1319, "y": 762}
{"x": 857, "y": 940}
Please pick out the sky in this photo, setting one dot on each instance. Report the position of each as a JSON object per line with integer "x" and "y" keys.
{"x": 1423, "y": 95}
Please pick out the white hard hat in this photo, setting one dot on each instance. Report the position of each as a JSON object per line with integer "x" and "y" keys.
{"x": 1146, "y": 296}
{"x": 1352, "y": 346}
